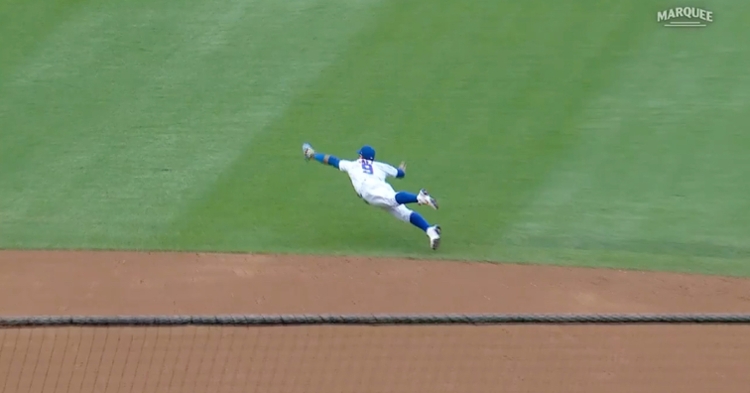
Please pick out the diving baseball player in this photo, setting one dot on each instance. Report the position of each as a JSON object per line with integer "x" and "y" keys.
{"x": 368, "y": 178}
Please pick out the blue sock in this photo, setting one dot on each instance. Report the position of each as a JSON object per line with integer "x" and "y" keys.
{"x": 403, "y": 197}
{"x": 418, "y": 221}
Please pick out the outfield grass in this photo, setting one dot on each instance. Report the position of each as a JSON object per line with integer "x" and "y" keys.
{"x": 578, "y": 132}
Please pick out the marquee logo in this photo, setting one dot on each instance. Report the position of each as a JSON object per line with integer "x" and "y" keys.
{"x": 685, "y": 17}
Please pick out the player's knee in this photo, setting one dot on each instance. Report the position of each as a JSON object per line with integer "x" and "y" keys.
{"x": 403, "y": 213}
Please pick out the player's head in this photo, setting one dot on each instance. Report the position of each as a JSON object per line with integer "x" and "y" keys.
{"x": 367, "y": 152}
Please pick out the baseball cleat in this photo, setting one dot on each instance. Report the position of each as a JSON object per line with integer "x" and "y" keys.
{"x": 424, "y": 198}
{"x": 307, "y": 151}
{"x": 434, "y": 234}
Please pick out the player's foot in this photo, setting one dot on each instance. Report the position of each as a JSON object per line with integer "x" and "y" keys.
{"x": 307, "y": 151}
{"x": 433, "y": 233}
{"x": 424, "y": 198}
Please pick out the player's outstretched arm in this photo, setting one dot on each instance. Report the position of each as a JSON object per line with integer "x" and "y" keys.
{"x": 326, "y": 159}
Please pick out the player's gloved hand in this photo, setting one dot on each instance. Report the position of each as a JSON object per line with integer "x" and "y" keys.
{"x": 402, "y": 166}
{"x": 308, "y": 151}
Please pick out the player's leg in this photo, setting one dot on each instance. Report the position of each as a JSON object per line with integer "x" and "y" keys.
{"x": 382, "y": 195}
{"x": 423, "y": 198}
{"x": 405, "y": 214}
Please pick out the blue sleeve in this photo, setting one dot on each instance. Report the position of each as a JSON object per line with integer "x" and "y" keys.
{"x": 327, "y": 159}
{"x": 400, "y": 174}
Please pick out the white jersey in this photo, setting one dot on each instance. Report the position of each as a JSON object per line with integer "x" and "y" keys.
{"x": 369, "y": 181}
{"x": 366, "y": 174}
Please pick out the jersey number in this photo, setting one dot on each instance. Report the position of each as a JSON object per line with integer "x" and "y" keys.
{"x": 367, "y": 168}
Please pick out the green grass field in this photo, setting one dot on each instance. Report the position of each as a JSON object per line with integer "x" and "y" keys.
{"x": 581, "y": 132}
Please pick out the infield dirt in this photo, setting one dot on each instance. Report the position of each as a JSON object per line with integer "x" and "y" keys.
{"x": 665, "y": 358}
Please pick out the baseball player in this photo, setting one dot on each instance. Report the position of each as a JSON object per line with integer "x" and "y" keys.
{"x": 368, "y": 178}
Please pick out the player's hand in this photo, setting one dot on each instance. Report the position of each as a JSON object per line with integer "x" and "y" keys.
{"x": 402, "y": 166}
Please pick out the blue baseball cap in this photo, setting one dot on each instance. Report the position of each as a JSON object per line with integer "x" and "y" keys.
{"x": 367, "y": 152}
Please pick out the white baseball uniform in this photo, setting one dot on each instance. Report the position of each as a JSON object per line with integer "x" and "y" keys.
{"x": 369, "y": 181}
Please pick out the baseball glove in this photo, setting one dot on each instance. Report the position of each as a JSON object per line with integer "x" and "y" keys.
{"x": 308, "y": 151}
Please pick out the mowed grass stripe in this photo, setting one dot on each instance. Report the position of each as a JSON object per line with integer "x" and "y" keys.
{"x": 657, "y": 179}
{"x": 152, "y": 101}
{"x": 579, "y": 48}
{"x": 24, "y": 24}
{"x": 113, "y": 60}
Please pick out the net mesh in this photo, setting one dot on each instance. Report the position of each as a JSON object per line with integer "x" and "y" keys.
{"x": 416, "y": 358}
